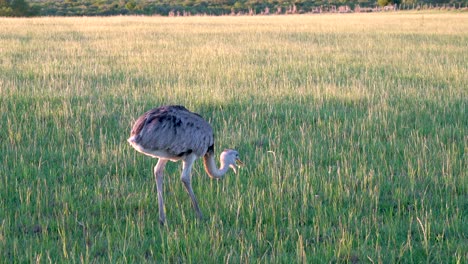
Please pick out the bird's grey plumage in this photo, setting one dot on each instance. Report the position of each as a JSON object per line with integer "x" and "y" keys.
{"x": 174, "y": 133}
{"x": 171, "y": 132}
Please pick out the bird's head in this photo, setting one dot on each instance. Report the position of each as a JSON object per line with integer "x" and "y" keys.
{"x": 231, "y": 158}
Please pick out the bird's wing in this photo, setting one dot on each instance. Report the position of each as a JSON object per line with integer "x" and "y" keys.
{"x": 175, "y": 131}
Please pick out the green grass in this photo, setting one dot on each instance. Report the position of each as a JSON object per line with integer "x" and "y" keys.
{"x": 353, "y": 129}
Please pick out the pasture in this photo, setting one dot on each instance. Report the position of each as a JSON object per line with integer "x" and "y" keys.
{"x": 353, "y": 129}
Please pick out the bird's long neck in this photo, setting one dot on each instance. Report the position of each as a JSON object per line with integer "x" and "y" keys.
{"x": 212, "y": 169}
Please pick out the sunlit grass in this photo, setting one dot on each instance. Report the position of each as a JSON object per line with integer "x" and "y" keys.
{"x": 353, "y": 129}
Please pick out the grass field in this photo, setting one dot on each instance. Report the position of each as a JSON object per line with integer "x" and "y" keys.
{"x": 353, "y": 129}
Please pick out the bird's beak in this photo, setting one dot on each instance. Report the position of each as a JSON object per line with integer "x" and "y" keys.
{"x": 234, "y": 168}
{"x": 239, "y": 163}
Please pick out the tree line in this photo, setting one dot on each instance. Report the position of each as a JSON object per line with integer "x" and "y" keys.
{"x": 192, "y": 7}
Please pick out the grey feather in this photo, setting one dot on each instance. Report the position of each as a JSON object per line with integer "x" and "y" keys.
{"x": 171, "y": 132}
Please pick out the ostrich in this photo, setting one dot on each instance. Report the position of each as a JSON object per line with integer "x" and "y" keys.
{"x": 174, "y": 133}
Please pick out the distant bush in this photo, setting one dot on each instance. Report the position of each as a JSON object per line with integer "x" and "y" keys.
{"x": 193, "y": 7}
{"x": 16, "y": 8}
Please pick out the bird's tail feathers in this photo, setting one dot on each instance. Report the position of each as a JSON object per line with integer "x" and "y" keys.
{"x": 133, "y": 139}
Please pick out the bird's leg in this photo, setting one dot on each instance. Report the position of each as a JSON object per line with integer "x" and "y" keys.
{"x": 186, "y": 179}
{"x": 158, "y": 174}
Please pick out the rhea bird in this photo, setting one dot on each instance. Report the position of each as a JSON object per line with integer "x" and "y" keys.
{"x": 173, "y": 133}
